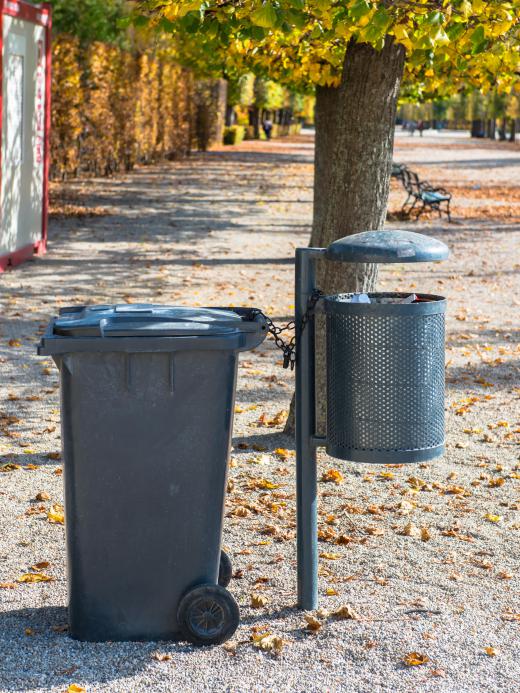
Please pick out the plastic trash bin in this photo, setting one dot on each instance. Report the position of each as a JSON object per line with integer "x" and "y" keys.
{"x": 147, "y": 399}
{"x": 385, "y": 378}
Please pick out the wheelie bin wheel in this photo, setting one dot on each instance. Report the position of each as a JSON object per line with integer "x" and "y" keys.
{"x": 208, "y": 615}
{"x": 225, "y": 570}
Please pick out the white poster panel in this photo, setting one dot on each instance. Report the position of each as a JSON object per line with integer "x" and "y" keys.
{"x": 23, "y": 130}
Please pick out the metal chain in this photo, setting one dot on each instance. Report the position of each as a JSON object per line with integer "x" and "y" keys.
{"x": 288, "y": 348}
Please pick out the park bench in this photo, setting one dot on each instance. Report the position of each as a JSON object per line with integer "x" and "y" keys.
{"x": 421, "y": 194}
{"x": 398, "y": 170}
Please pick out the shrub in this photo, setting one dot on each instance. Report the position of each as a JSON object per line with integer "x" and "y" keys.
{"x": 234, "y": 134}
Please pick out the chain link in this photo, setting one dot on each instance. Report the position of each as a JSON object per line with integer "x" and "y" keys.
{"x": 288, "y": 348}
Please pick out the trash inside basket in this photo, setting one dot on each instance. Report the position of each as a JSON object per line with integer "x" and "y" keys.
{"x": 385, "y": 378}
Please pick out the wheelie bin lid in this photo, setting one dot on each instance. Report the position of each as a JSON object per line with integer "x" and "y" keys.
{"x": 105, "y": 327}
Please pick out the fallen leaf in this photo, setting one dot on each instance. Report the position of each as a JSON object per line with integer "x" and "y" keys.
{"x": 344, "y": 540}
{"x": 330, "y": 556}
{"x": 231, "y": 646}
{"x": 491, "y": 651}
{"x": 457, "y": 491}
{"x": 425, "y": 534}
{"x": 8, "y": 585}
{"x": 34, "y": 577}
{"x": 268, "y": 641}
{"x": 504, "y": 575}
{"x": 346, "y": 612}
{"x": 495, "y": 483}
{"x": 326, "y": 534}
{"x": 76, "y": 688}
{"x": 313, "y": 624}
{"x": 262, "y": 484}
{"x": 333, "y": 475}
{"x": 410, "y": 530}
{"x": 9, "y": 467}
{"x": 239, "y": 511}
{"x": 161, "y": 656}
{"x": 331, "y": 592}
{"x": 54, "y": 456}
{"x": 454, "y": 532}
{"x": 258, "y": 601}
{"x": 405, "y": 507}
{"x": 440, "y": 673}
{"x": 56, "y": 514}
{"x": 284, "y": 454}
{"x": 40, "y": 566}
{"x": 42, "y": 496}
{"x": 36, "y": 510}
{"x": 415, "y": 659}
{"x": 492, "y": 518}
{"x": 277, "y": 420}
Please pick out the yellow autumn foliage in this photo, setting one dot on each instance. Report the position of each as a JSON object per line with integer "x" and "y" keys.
{"x": 113, "y": 108}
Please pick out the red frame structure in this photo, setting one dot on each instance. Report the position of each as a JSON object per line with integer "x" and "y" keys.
{"x": 36, "y": 14}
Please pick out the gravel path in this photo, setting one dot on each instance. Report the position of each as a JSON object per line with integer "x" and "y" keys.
{"x": 430, "y": 554}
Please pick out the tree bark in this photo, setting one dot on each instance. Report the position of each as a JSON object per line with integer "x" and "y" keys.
{"x": 325, "y": 119}
{"x": 256, "y": 122}
{"x": 352, "y": 196}
{"x": 491, "y": 128}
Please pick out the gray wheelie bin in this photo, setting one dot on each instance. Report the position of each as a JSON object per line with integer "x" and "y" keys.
{"x": 147, "y": 399}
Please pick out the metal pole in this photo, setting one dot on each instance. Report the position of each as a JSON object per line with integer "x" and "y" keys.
{"x": 306, "y": 481}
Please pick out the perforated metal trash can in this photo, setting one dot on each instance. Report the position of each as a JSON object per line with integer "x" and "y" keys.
{"x": 385, "y": 378}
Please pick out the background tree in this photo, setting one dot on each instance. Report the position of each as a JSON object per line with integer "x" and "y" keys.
{"x": 360, "y": 49}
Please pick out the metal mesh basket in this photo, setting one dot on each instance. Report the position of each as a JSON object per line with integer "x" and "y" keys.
{"x": 385, "y": 379}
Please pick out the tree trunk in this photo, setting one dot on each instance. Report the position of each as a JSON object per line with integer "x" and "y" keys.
{"x": 502, "y": 130}
{"x": 325, "y": 118}
{"x": 477, "y": 128}
{"x": 512, "y": 131}
{"x": 359, "y": 123}
{"x": 256, "y": 122}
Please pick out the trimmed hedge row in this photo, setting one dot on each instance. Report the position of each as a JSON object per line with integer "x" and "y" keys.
{"x": 112, "y": 109}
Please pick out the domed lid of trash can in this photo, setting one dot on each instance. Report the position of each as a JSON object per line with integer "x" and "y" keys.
{"x": 387, "y": 246}
{"x": 145, "y": 320}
